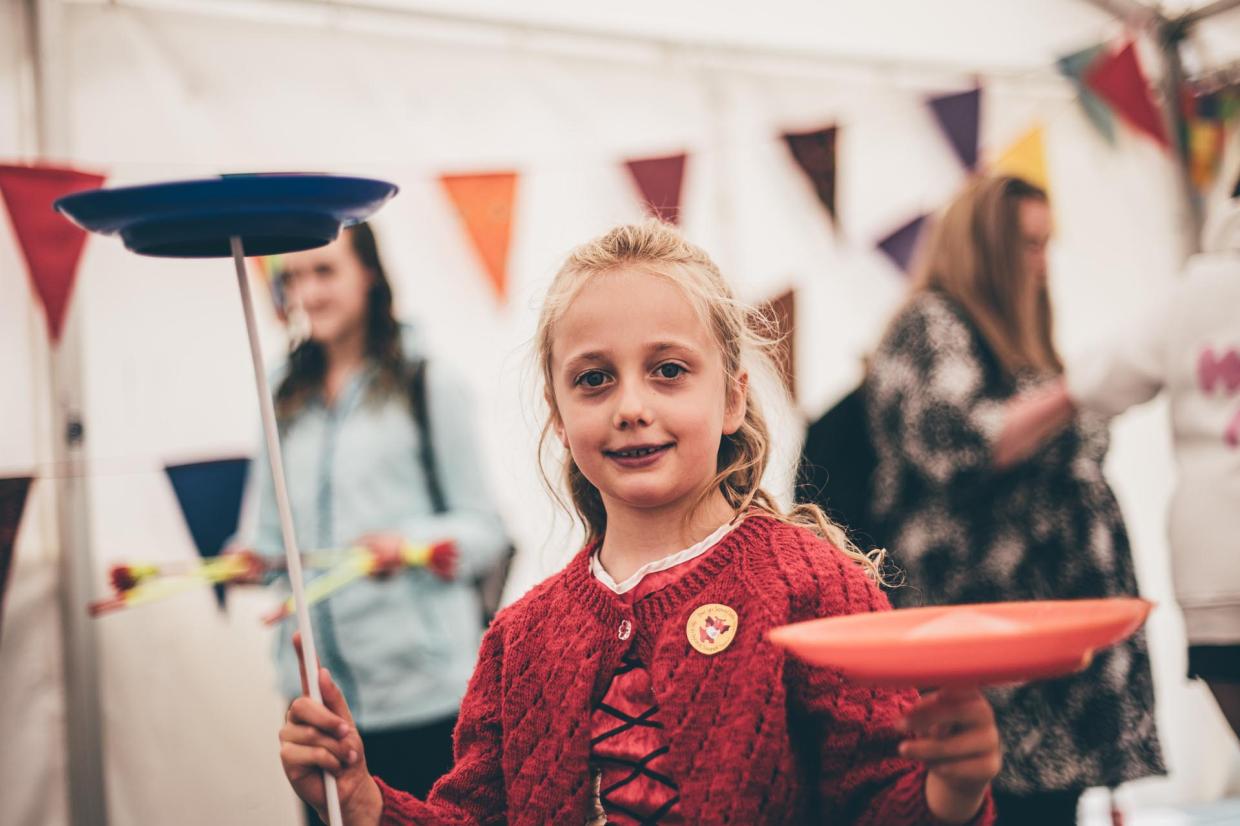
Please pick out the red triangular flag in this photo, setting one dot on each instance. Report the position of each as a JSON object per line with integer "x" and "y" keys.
{"x": 484, "y": 203}
{"x": 12, "y": 503}
{"x": 659, "y": 181}
{"x": 1117, "y": 79}
{"x": 50, "y": 244}
{"x": 815, "y": 154}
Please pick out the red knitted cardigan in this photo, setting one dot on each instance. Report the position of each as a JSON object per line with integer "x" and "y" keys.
{"x": 755, "y": 736}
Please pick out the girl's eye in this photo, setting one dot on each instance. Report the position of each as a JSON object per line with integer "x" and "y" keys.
{"x": 671, "y": 370}
{"x": 592, "y": 378}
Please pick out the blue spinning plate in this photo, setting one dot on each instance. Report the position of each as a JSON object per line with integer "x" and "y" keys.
{"x": 272, "y": 213}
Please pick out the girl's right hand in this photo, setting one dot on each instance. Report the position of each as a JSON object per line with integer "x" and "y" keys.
{"x": 318, "y": 737}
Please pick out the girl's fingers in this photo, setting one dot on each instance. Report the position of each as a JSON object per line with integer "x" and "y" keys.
{"x": 953, "y": 712}
{"x": 344, "y": 750}
{"x": 305, "y": 711}
{"x": 972, "y": 743}
{"x": 333, "y": 698}
{"x": 295, "y": 755}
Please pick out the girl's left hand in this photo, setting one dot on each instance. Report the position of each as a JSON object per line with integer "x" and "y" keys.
{"x": 953, "y": 732}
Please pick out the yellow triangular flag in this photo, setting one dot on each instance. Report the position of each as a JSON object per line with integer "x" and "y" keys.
{"x": 1026, "y": 158}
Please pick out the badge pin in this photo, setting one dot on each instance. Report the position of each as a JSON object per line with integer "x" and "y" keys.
{"x": 711, "y": 628}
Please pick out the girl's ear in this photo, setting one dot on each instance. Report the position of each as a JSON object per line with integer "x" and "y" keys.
{"x": 734, "y": 412}
{"x": 557, "y": 424}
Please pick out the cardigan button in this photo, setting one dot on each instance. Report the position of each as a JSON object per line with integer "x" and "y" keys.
{"x": 626, "y": 630}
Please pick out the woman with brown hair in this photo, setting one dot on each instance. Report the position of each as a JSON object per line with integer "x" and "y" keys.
{"x": 981, "y": 496}
{"x": 355, "y": 401}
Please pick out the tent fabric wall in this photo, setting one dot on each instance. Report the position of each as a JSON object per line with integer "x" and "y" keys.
{"x": 190, "y": 710}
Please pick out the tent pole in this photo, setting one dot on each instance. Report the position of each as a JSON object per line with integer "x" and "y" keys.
{"x": 76, "y": 574}
{"x": 1205, "y": 12}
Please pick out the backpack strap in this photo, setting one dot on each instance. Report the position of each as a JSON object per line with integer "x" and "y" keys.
{"x": 426, "y": 449}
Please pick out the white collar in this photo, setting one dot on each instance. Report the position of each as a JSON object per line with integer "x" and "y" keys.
{"x": 663, "y": 564}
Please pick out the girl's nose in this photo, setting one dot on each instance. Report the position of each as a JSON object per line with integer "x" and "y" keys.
{"x": 631, "y": 407}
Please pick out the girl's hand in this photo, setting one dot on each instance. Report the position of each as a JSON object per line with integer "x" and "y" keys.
{"x": 318, "y": 737}
{"x": 953, "y": 732}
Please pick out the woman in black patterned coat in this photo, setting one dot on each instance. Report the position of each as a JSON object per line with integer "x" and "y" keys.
{"x": 976, "y": 506}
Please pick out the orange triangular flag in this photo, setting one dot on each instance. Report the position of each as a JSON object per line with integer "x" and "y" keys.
{"x": 485, "y": 203}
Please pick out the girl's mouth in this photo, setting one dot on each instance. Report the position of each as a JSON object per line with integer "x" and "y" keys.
{"x": 638, "y": 456}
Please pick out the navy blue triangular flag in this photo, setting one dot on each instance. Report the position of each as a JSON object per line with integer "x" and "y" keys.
{"x": 210, "y": 497}
{"x": 12, "y": 503}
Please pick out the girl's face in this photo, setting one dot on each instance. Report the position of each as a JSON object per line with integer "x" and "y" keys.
{"x": 1033, "y": 217}
{"x": 641, "y": 397}
{"x": 330, "y": 285}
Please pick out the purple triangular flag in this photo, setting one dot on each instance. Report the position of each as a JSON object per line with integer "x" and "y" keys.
{"x": 901, "y": 245}
{"x": 959, "y": 115}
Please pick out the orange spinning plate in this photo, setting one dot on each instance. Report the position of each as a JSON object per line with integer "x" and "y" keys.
{"x": 982, "y": 644}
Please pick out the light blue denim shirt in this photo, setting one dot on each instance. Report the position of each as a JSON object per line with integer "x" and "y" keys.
{"x": 403, "y": 648}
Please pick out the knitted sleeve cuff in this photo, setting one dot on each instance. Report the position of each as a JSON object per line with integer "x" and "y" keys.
{"x": 400, "y": 808}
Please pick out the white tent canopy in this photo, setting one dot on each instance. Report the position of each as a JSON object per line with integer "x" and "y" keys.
{"x": 562, "y": 93}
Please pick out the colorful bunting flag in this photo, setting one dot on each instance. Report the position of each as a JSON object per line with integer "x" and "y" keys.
{"x": 13, "y": 492}
{"x": 1204, "y": 132}
{"x": 959, "y": 116}
{"x": 49, "y": 243}
{"x": 210, "y": 497}
{"x": 1074, "y": 66}
{"x": 485, "y": 204}
{"x": 901, "y": 245}
{"x": 1026, "y": 158}
{"x": 659, "y": 181}
{"x": 1117, "y": 78}
{"x": 815, "y": 154}
{"x": 781, "y": 311}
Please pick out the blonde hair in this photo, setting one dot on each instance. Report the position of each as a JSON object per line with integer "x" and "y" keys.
{"x": 745, "y": 338}
{"x": 976, "y": 258}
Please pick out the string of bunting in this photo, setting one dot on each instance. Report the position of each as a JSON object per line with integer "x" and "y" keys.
{"x": 136, "y": 584}
{"x": 1111, "y": 89}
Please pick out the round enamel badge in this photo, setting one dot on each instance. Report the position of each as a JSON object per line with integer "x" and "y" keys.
{"x": 711, "y": 628}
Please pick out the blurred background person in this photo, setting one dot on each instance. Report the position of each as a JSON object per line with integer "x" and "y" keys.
{"x": 402, "y": 643}
{"x": 1187, "y": 346}
{"x": 976, "y": 507}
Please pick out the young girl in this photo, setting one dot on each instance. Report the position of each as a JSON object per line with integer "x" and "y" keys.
{"x": 637, "y": 685}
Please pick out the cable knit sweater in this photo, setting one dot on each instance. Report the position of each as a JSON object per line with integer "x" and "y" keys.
{"x": 755, "y": 736}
